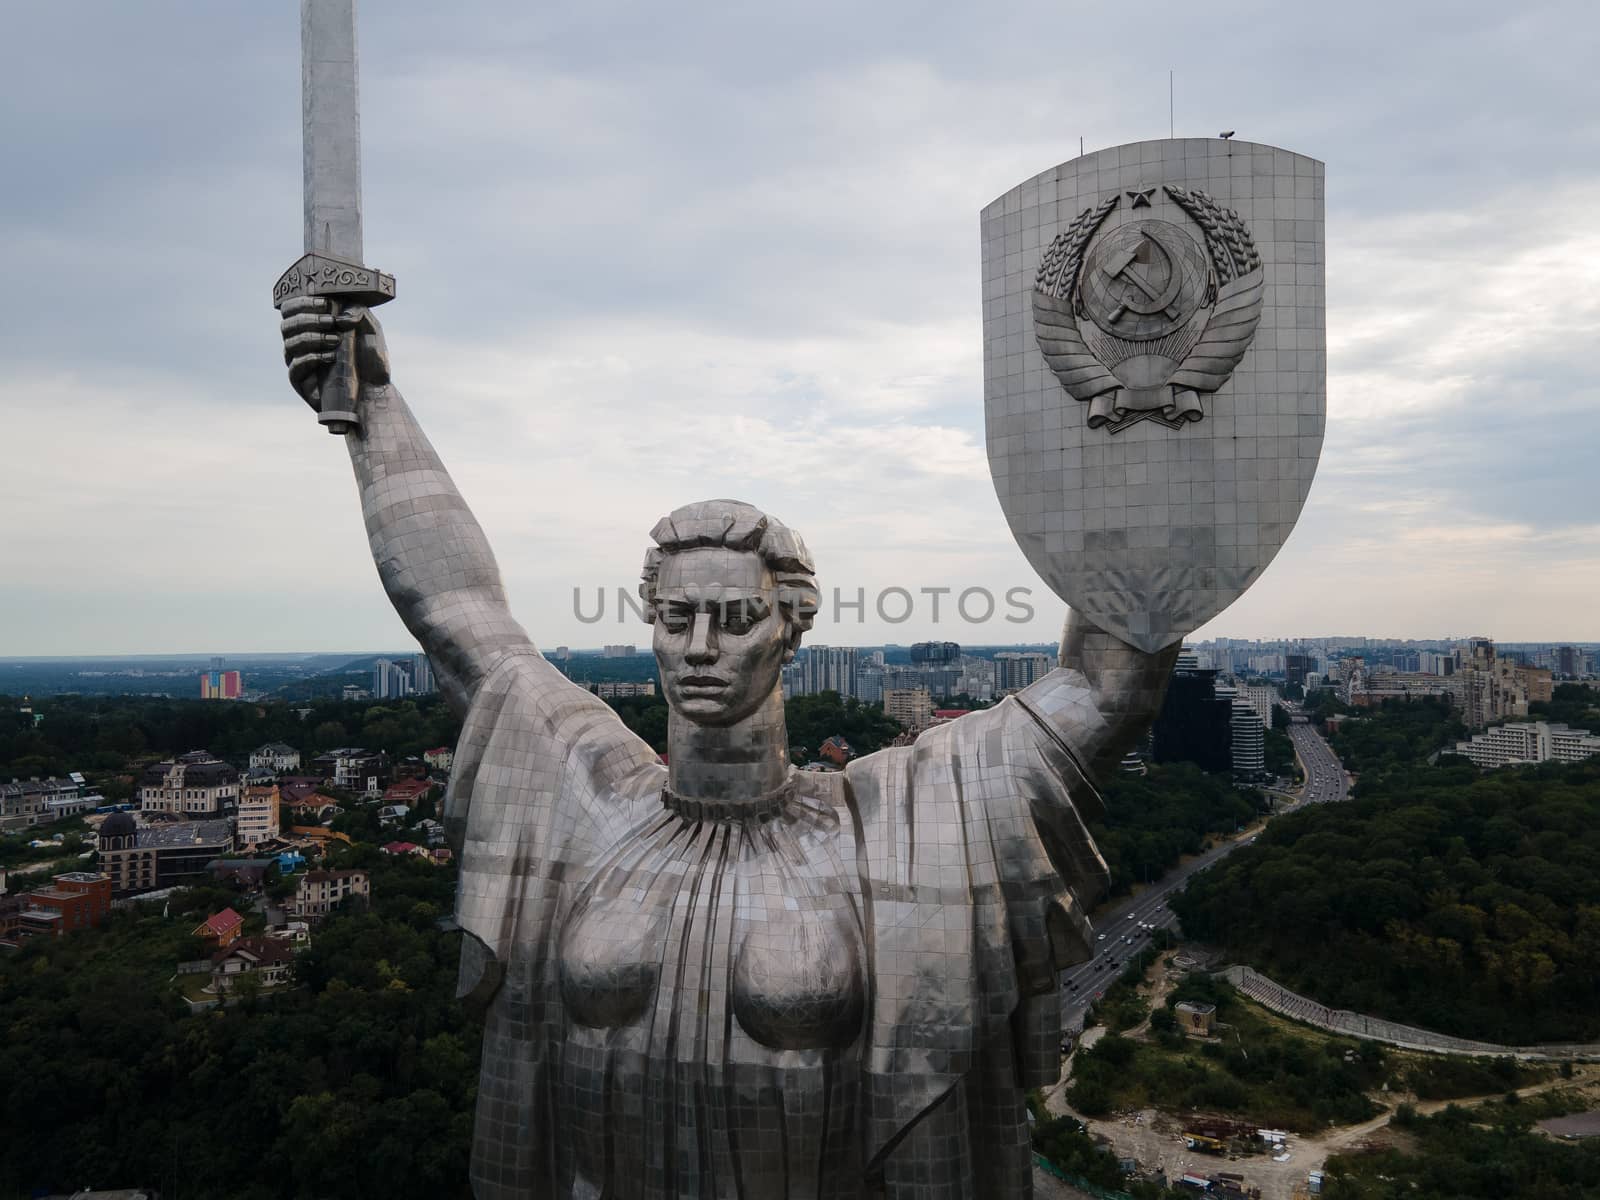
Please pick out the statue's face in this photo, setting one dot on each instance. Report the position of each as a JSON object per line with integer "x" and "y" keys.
{"x": 720, "y": 637}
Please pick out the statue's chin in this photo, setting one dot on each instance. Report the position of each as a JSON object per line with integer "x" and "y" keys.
{"x": 704, "y": 710}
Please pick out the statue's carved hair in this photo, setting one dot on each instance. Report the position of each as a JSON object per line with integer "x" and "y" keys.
{"x": 734, "y": 525}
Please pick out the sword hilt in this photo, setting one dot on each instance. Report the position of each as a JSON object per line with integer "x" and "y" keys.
{"x": 336, "y": 398}
{"x": 343, "y": 283}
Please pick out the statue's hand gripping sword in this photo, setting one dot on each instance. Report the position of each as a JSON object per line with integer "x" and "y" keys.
{"x": 331, "y": 141}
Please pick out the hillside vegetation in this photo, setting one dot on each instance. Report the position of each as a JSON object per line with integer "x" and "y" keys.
{"x": 1461, "y": 901}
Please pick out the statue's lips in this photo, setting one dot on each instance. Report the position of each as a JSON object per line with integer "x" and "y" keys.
{"x": 702, "y": 683}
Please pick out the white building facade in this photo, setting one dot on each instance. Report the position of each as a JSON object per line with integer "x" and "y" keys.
{"x": 1520, "y": 743}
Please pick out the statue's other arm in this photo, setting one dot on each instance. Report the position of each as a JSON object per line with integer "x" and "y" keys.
{"x": 431, "y": 553}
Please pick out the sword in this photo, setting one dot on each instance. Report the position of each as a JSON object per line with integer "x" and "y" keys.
{"x": 331, "y": 150}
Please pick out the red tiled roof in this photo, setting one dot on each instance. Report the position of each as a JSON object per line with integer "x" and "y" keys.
{"x": 220, "y": 923}
{"x": 407, "y": 787}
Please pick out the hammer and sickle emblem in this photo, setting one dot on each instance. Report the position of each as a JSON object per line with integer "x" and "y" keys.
{"x": 1151, "y": 279}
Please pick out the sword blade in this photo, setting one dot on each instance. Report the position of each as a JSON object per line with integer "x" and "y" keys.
{"x": 331, "y": 128}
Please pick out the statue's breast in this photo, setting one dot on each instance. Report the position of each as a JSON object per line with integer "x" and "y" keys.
{"x": 797, "y": 980}
{"x": 692, "y": 921}
{"x": 611, "y": 952}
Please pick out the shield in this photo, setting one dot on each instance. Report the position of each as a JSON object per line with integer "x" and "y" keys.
{"x": 1155, "y": 373}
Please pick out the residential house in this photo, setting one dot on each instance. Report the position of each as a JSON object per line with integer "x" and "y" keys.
{"x": 25, "y": 802}
{"x": 74, "y": 900}
{"x": 275, "y": 757}
{"x": 408, "y": 792}
{"x": 320, "y": 892}
{"x": 223, "y": 928}
{"x": 353, "y": 769}
{"x": 258, "y": 815}
{"x": 195, "y": 785}
{"x": 268, "y": 960}
{"x": 836, "y": 750}
{"x": 248, "y": 873}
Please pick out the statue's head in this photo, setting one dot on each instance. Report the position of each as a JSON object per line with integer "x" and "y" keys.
{"x": 730, "y": 591}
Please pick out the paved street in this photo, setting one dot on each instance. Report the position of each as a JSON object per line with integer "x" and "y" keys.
{"x": 1325, "y": 775}
{"x": 1119, "y": 930}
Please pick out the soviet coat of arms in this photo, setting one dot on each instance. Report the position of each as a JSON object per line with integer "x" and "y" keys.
{"x": 1140, "y": 321}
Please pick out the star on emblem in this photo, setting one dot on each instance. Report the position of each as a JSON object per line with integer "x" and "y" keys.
{"x": 1141, "y": 197}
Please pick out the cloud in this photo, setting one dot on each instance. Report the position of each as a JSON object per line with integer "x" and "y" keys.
{"x": 647, "y": 255}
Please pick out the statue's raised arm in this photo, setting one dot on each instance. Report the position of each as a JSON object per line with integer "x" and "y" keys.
{"x": 430, "y": 551}
{"x": 1104, "y": 697}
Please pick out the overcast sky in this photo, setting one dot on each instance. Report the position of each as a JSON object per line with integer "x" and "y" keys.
{"x": 653, "y": 253}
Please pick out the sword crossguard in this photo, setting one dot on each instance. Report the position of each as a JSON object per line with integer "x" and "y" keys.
{"x": 344, "y": 283}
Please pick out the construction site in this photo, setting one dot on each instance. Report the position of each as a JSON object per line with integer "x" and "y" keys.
{"x": 1224, "y": 1155}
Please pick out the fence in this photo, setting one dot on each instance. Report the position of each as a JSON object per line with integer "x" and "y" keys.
{"x": 1077, "y": 1181}
{"x": 1256, "y": 986}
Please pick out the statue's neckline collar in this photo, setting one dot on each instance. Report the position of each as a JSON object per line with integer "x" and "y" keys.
{"x": 756, "y": 808}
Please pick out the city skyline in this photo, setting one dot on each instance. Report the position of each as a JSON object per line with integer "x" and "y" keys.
{"x": 848, "y": 401}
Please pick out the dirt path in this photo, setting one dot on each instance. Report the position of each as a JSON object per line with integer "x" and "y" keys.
{"x": 1156, "y": 1140}
{"x": 1156, "y": 993}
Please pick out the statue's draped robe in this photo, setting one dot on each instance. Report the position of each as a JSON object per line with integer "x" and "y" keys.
{"x": 963, "y": 857}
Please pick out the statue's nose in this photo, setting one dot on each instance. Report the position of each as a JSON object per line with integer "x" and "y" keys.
{"x": 702, "y": 640}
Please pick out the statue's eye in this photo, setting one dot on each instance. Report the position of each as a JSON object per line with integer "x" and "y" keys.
{"x": 675, "y": 618}
{"x": 738, "y": 621}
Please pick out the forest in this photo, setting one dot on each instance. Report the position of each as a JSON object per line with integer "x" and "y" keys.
{"x": 1153, "y": 820}
{"x": 1260, "y": 1071}
{"x": 1458, "y": 1155}
{"x": 360, "y": 1083}
{"x": 101, "y": 735}
{"x": 1465, "y": 902}
{"x": 1396, "y": 738}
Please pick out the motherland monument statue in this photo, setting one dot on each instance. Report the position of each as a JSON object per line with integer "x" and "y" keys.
{"x": 720, "y": 976}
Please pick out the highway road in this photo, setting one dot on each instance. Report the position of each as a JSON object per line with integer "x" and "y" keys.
{"x": 1126, "y": 928}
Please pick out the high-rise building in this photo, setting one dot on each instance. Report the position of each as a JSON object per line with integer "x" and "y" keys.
{"x": 422, "y": 680}
{"x": 1490, "y": 687}
{"x": 1246, "y": 739}
{"x": 935, "y": 652}
{"x": 912, "y": 707}
{"x": 1194, "y": 724}
{"x": 618, "y": 651}
{"x": 828, "y": 669}
{"x": 1262, "y": 699}
{"x": 390, "y": 680}
{"x": 1297, "y": 666}
{"x": 869, "y": 685}
{"x": 1436, "y": 662}
{"x": 221, "y": 685}
{"x": 1015, "y": 670}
